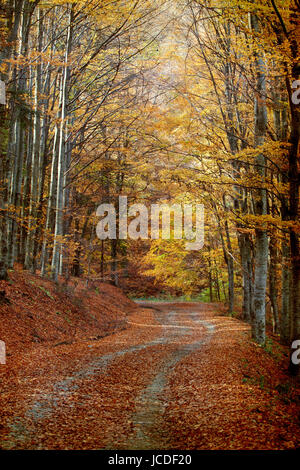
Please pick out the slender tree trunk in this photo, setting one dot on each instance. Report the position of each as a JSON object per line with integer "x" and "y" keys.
{"x": 273, "y": 284}
{"x": 35, "y": 176}
{"x": 260, "y": 200}
{"x": 246, "y": 261}
{"x": 58, "y": 233}
{"x": 285, "y": 332}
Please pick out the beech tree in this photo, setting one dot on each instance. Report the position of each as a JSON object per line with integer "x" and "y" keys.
{"x": 161, "y": 101}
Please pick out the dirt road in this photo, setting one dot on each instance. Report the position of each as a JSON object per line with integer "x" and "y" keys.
{"x": 175, "y": 378}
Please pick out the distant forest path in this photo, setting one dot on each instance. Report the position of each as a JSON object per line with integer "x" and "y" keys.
{"x": 181, "y": 376}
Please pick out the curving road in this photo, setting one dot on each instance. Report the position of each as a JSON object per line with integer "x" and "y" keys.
{"x": 180, "y": 376}
{"x": 176, "y": 332}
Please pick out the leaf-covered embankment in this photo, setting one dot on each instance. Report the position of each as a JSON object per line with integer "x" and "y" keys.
{"x": 35, "y": 311}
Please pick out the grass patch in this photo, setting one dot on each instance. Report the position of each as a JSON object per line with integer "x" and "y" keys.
{"x": 275, "y": 350}
{"x": 168, "y": 298}
{"x": 43, "y": 290}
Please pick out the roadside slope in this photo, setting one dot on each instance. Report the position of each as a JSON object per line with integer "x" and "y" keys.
{"x": 35, "y": 311}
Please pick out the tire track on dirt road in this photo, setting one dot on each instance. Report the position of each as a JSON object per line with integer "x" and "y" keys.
{"x": 47, "y": 403}
{"x": 150, "y": 406}
{"x": 148, "y": 427}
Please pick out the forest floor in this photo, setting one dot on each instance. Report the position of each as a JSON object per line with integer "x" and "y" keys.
{"x": 177, "y": 376}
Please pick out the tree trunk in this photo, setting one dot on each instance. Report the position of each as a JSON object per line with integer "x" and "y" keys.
{"x": 58, "y": 233}
{"x": 273, "y": 283}
{"x": 260, "y": 200}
